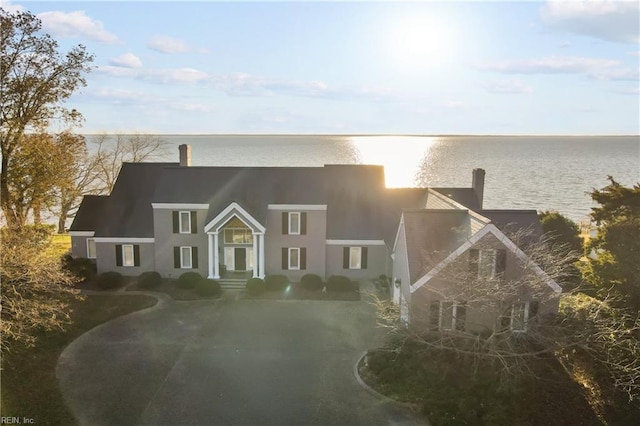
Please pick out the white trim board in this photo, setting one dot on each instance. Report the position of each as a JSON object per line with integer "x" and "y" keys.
{"x": 123, "y": 240}
{"x": 226, "y": 211}
{"x": 82, "y": 233}
{"x": 297, "y": 207}
{"x": 180, "y": 206}
{"x": 356, "y": 243}
{"x": 490, "y": 228}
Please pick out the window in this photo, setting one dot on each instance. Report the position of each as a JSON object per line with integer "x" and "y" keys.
{"x": 91, "y": 248}
{"x": 185, "y": 257}
{"x": 185, "y": 222}
{"x": 294, "y": 258}
{"x": 294, "y": 223}
{"x": 354, "y": 257}
{"x": 487, "y": 264}
{"x": 127, "y": 255}
{"x": 517, "y": 316}
{"x": 238, "y": 236}
{"x": 448, "y": 315}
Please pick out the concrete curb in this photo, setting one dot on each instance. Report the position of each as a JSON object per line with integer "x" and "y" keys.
{"x": 373, "y": 391}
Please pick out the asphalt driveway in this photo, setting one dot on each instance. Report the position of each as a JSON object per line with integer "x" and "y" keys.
{"x": 230, "y": 362}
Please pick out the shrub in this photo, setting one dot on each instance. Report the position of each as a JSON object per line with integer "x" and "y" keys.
{"x": 188, "y": 280}
{"x": 149, "y": 279}
{"x": 255, "y": 286}
{"x": 109, "y": 280}
{"x": 311, "y": 282}
{"x": 276, "y": 282}
{"x": 341, "y": 283}
{"x": 81, "y": 267}
{"x": 208, "y": 288}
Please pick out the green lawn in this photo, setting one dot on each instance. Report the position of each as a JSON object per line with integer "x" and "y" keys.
{"x": 29, "y": 385}
{"x": 60, "y": 244}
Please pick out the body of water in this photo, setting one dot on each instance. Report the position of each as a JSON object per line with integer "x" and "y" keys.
{"x": 523, "y": 172}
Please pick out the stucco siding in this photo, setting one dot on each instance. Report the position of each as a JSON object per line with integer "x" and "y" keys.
{"x": 313, "y": 242}
{"x": 376, "y": 262}
{"x": 166, "y": 240}
{"x": 106, "y": 259}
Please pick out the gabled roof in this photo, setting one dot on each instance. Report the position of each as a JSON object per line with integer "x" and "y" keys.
{"x": 509, "y": 221}
{"x": 431, "y": 235}
{"x": 89, "y": 213}
{"x": 465, "y": 196}
{"x": 128, "y": 212}
{"x": 490, "y": 228}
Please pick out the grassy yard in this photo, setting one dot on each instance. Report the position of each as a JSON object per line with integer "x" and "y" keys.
{"x": 29, "y": 385}
{"x": 60, "y": 244}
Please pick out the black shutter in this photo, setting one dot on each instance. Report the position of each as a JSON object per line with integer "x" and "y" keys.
{"x": 345, "y": 258}
{"x": 474, "y": 255}
{"x": 136, "y": 255}
{"x": 176, "y": 222}
{"x": 434, "y": 315}
{"x": 303, "y": 258}
{"x": 285, "y": 223}
{"x": 501, "y": 262}
{"x": 118, "y": 254}
{"x": 176, "y": 257}
{"x": 461, "y": 315}
{"x": 194, "y": 223}
{"x": 363, "y": 261}
{"x": 285, "y": 258}
{"x": 194, "y": 257}
{"x": 505, "y": 317}
{"x": 533, "y": 308}
{"x": 303, "y": 223}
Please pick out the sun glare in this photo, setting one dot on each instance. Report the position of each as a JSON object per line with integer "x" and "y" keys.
{"x": 401, "y": 156}
{"x": 421, "y": 40}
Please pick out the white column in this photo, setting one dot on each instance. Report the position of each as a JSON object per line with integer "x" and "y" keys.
{"x": 210, "y": 257}
{"x": 255, "y": 255}
{"x": 216, "y": 260}
{"x": 261, "y": 264}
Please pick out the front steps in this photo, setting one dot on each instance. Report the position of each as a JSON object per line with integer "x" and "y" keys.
{"x": 232, "y": 284}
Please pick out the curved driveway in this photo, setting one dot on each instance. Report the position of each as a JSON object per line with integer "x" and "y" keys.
{"x": 227, "y": 362}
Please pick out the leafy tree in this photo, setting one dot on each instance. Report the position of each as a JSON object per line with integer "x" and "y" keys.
{"x": 35, "y": 290}
{"x": 561, "y": 230}
{"x": 35, "y": 81}
{"x": 615, "y": 267}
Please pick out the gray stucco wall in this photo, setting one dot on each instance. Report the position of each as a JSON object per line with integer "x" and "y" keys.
{"x": 79, "y": 246}
{"x": 376, "y": 262}
{"x": 106, "y": 259}
{"x": 166, "y": 240}
{"x": 313, "y": 241}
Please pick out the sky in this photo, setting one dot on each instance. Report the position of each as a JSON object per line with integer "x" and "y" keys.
{"x": 554, "y": 67}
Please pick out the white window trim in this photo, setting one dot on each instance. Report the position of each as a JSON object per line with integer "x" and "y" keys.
{"x": 359, "y": 249}
{"x": 299, "y": 221}
{"x": 525, "y": 320}
{"x": 454, "y": 314}
{"x": 182, "y": 231}
{"x": 290, "y": 267}
{"x": 234, "y": 229}
{"x": 124, "y": 258}
{"x": 94, "y": 247}
{"x": 182, "y": 259}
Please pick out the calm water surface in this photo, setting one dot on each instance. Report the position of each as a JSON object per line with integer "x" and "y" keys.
{"x": 523, "y": 172}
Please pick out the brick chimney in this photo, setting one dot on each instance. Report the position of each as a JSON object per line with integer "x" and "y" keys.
{"x": 185, "y": 155}
{"x": 477, "y": 183}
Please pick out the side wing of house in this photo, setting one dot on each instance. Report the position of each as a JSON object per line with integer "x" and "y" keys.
{"x": 84, "y": 225}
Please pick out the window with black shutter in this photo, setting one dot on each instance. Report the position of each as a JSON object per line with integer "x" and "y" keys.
{"x": 194, "y": 257}
{"x": 303, "y": 223}
{"x": 285, "y": 258}
{"x": 345, "y": 258}
{"x": 176, "y": 257}
{"x": 118, "y": 254}
{"x": 434, "y": 315}
{"x": 303, "y": 258}
{"x": 363, "y": 260}
{"x": 461, "y": 315}
{"x": 474, "y": 255}
{"x": 136, "y": 255}
{"x": 194, "y": 223}
{"x": 176, "y": 222}
{"x": 285, "y": 224}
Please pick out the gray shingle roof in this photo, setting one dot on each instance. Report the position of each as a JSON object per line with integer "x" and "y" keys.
{"x": 515, "y": 221}
{"x": 89, "y": 213}
{"x": 431, "y": 236}
{"x": 465, "y": 196}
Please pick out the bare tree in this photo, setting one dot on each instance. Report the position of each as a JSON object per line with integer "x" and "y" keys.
{"x": 113, "y": 150}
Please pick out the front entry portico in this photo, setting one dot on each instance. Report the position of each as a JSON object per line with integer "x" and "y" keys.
{"x": 242, "y": 238}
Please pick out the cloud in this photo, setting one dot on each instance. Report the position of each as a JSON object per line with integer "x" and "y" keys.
{"x": 601, "y": 69}
{"x": 75, "y": 24}
{"x": 11, "y": 8}
{"x": 615, "y": 21}
{"x": 122, "y": 96}
{"x": 628, "y": 91}
{"x": 460, "y": 105}
{"x": 165, "y": 44}
{"x": 507, "y": 87}
{"x": 126, "y": 60}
